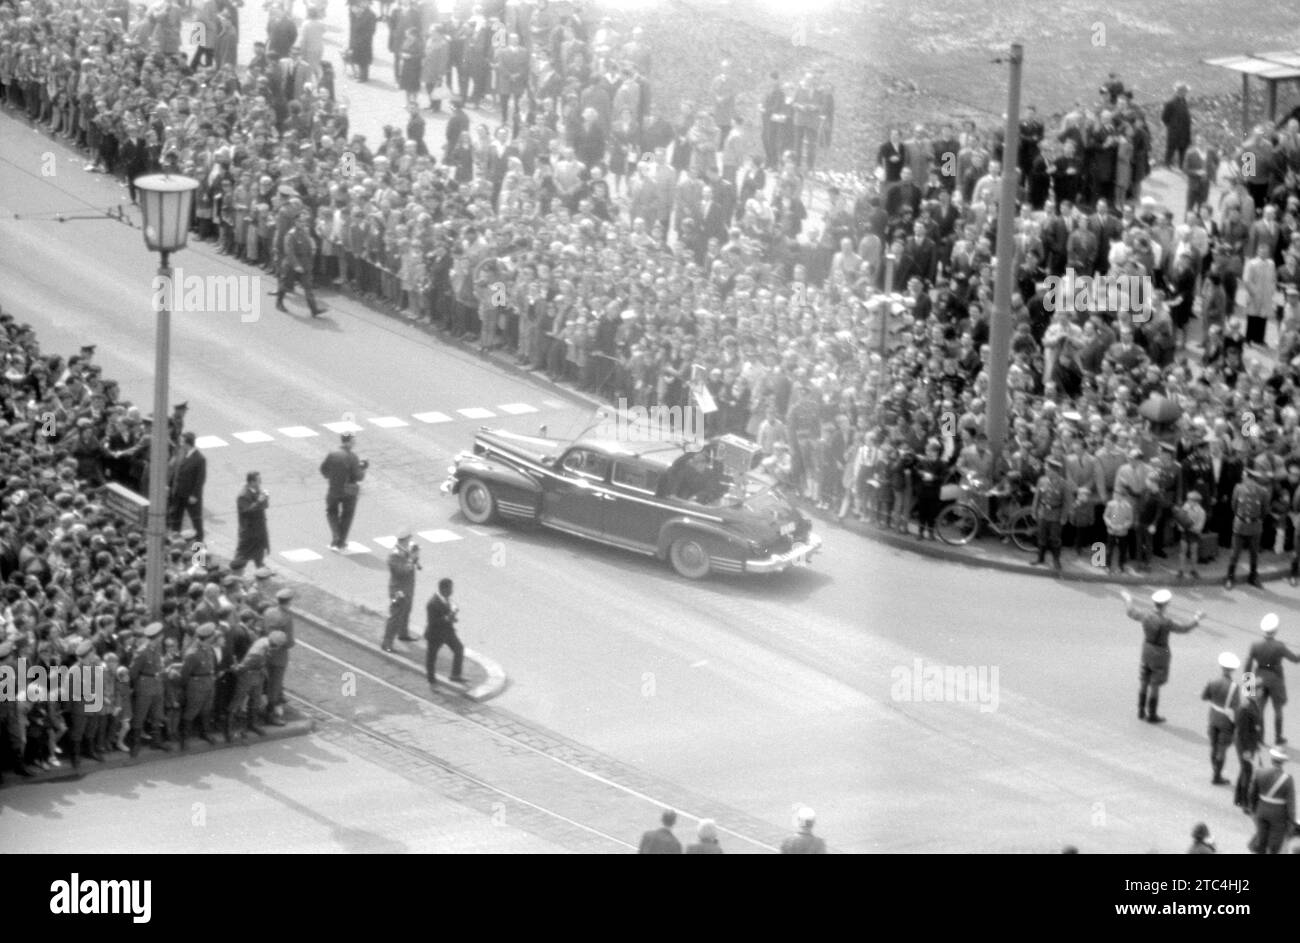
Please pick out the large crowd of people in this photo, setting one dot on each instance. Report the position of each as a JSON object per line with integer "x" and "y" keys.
{"x": 643, "y": 250}
{"x": 72, "y": 584}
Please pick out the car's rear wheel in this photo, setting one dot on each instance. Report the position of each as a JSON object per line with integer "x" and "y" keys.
{"x": 689, "y": 558}
{"x": 477, "y": 502}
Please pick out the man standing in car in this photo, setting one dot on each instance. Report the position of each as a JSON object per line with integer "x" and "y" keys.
{"x": 344, "y": 472}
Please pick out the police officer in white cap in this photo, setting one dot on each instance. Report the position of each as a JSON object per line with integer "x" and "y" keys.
{"x": 1264, "y": 663}
{"x": 1224, "y": 695}
{"x": 1154, "y": 670}
{"x": 402, "y": 564}
{"x": 1272, "y": 797}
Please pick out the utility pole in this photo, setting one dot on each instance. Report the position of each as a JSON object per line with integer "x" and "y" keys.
{"x": 1000, "y": 328}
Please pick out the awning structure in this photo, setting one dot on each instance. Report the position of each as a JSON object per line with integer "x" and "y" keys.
{"x": 1270, "y": 68}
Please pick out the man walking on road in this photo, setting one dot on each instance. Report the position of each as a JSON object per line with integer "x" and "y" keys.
{"x": 344, "y": 472}
{"x": 297, "y": 264}
{"x": 1154, "y": 671}
{"x": 804, "y": 842}
{"x": 1224, "y": 695}
{"x": 440, "y": 630}
{"x": 1272, "y": 799}
{"x": 1248, "y": 734}
{"x": 254, "y": 542}
{"x": 402, "y": 564}
{"x": 1264, "y": 663}
{"x": 1249, "y": 501}
{"x": 189, "y": 475}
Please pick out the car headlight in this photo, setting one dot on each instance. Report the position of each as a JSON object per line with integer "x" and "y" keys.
{"x": 757, "y": 549}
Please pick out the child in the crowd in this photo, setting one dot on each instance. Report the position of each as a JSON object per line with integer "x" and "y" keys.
{"x": 1118, "y": 518}
{"x": 1189, "y": 517}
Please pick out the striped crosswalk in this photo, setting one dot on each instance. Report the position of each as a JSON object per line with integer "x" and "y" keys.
{"x": 355, "y": 424}
{"x": 384, "y": 543}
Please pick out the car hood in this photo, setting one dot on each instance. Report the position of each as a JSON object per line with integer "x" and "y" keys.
{"x": 530, "y": 447}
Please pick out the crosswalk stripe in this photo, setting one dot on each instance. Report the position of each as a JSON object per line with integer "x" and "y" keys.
{"x": 476, "y": 412}
{"x": 210, "y": 442}
{"x": 297, "y": 432}
{"x": 388, "y": 543}
{"x": 254, "y": 436}
{"x": 517, "y": 409}
{"x": 389, "y": 422}
{"x": 554, "y": 403}
{"x": 355, "y": 547}
{"x": 300, "y": 556}
{"x": 341, "y": 427}
{"x": 439, "y": 536}
{"x": 432, "y": 417}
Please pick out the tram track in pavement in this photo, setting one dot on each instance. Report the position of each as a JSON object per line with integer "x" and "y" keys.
{"x": 493, "y": 761}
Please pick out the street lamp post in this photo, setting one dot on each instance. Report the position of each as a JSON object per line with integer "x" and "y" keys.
{"x": 166, "y": 202}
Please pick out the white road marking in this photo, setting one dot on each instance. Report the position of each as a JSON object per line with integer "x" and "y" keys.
{"x": 476, "y": 412}
{"x": 554, "y": 403}
{"x": 517, "y": 409}
{"x": 341, "y": 427}
{"x": 297, "y": 432}
{"x": 595, "y": 777}
{"x": 209, "y": 442}
{"x": 432, "y": 417}
{"x": 388, "y": 422}
{"x": 440, "y": 536}
{"x": 388, "y": 543}
{"x": 300, "y": 556}
{"x": 700, "y": 664}
{"x": 251, "y": 437}
{"x": 356, "y": 547}
{"x": 478, "y": 533}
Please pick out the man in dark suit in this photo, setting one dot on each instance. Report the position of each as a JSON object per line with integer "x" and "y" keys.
{"x": 1225, "y": 475}
{"x": 189, "y": 474}
{"x": 892, "y": 157}
{"x": 661, "y": 841}
{"x": 920, "y": 249}
{"x": 344, "y": 471}
{"x": 440, "y": 630}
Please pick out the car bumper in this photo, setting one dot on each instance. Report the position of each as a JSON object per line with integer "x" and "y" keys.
{"x": 798, "y": 555}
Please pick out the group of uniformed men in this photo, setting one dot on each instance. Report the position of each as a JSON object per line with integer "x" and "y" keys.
{"x": 1236, "y": 716}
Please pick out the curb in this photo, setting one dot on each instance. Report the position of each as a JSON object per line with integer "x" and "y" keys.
{"x": 938, "y": 550}
{"x": 298, "y": 727}
{"x": 490, "y": 688}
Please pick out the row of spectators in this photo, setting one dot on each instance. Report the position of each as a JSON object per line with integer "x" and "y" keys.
{"x": 72, "y": 583}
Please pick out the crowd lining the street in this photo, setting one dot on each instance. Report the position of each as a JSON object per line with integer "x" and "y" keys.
{"x": 72, "y": 584}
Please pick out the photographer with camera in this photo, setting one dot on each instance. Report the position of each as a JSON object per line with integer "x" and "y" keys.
{"x": 344, "y": 471}
{"x": 402, "y": 564}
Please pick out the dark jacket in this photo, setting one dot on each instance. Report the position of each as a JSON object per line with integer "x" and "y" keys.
{"x": 189, "y": 477}
{"x": 341, "y": 468}
{"x": 441, "y": 621}
{"x": 660, "y": 841}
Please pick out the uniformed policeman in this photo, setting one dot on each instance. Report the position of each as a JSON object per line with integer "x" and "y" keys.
{"x": 297, "y": 264}
{"x": 1250, "y": 502}
{"x": 250, "y": 681}
{"x": 1154, "y": 671}
{"x": 804, "y": 842}
{"x": 1272, "y": 797}
{"x": 1224, "y": 695}
{"x": 173, "y": 688}
{"x": 198, "y": 674}
{"x": 1264, "y": 664}
{"x": 1248, "y": 734}
{"x": 147, "y": 690}
{"x": 1051, "y": 507}
{"x": 279, "y": 629}
{"x": 402, "y": 564}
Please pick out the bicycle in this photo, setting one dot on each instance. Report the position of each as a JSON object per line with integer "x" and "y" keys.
{"x": 961, "y": 522}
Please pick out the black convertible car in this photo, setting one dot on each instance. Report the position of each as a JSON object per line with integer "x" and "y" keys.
{"x": 703, "y": 509}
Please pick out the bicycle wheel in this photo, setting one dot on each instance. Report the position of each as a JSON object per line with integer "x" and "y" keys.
{"x": 1024, "y": 530}
{"x": 957, "y": 525}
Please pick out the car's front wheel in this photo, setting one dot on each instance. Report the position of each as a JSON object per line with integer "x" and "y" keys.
{"x": 477, "y": 502}
{"x": 689, "y": 558}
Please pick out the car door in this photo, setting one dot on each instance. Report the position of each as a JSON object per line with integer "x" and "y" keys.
{"x": 635, "y": 516}
{"x": 575, "y": 496}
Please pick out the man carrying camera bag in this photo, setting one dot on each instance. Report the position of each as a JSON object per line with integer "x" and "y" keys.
{"x": 344, "y": 471}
